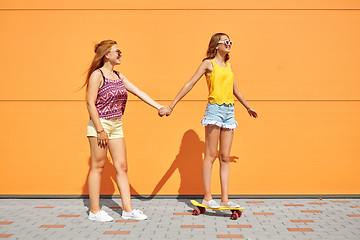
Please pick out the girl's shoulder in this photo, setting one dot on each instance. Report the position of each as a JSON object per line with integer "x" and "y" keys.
{"x": 207, "y": 66}
{"x": 96, "y": 74}
{"x": 207, "y": 63}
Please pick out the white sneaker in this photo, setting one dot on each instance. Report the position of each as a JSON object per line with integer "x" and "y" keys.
{"x": 229, "y": 204}
{"x": 210, "y": 204}
{"x": 101, "y": 216}
{"x": 134, "y": 214}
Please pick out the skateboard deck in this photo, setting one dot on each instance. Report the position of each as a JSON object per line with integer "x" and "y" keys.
{"x": 236, "y": 212}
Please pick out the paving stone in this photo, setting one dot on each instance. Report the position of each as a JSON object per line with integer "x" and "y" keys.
{"x": 338, "y": 219}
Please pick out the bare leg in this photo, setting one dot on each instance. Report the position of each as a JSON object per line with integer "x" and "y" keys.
{"x": 98, "y": 159}
{"x": 117, "y": 149}
{"x": 212, "y": 134}
{"x": 226, "y": 137}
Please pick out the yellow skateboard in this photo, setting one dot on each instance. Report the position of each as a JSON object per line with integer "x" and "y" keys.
{"x": 236, "y": 212}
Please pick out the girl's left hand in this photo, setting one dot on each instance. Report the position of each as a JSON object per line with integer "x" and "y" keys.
{"x": 252, "y": 113}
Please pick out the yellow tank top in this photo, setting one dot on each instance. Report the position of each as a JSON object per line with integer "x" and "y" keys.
{"x": 220, "y": 84}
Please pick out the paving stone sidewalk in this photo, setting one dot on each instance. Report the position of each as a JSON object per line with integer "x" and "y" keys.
{"x": 268, "y": 219}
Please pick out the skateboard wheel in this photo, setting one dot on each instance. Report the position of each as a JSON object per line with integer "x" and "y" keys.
{"x": 239, "y": 213}
{"x": 234, "y": 216}
{"x": 202, "y": 210}
{"x": 196, "y": 212}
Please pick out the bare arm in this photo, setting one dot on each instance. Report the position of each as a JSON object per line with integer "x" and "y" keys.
{"x": 241, "y": 99}
{"x": 91, "y": 95}
{"x": 204, "y": 67}
{"x": 140, "y": 94}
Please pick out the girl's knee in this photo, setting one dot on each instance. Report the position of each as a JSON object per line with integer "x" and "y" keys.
{"x": 97, "y": 168}
{"x": 121, "y": 168}
{"x": 224, "y": 158}
{"x": 210, "y": 158}
{"x": 98, "y": 165}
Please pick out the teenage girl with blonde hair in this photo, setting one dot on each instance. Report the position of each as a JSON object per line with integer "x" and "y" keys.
{"x": 106, "y": 97}
{"x": 219, "y": 119}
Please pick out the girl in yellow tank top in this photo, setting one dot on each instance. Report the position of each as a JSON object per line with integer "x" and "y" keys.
{"x": 219, "y": 118}
{"x": 220, "y": 84}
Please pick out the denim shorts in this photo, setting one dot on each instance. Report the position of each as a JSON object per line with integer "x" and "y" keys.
{"x": 113, "y": 127}
{"x": 219, "y": 115}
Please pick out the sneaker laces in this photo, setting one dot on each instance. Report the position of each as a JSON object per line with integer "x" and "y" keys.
{"x": 231, "y": 204}
{"x": 102, "y": 213}
{"x": 139, "y": 211}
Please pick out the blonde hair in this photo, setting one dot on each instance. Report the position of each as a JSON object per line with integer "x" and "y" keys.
{"x": 211, "y": 52}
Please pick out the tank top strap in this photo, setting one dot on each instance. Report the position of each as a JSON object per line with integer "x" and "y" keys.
{"x": 102, "y": 74}
{"x": 117, "y": 74}
{"x": 215, "y": 65}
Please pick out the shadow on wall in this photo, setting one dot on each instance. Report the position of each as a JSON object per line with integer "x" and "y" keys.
{"x": 188, "y": 162}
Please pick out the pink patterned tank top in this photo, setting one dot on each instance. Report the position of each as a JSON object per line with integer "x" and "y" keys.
{"x": 111, "y": 99}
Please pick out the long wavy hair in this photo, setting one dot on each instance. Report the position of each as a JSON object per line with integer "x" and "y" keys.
{"x": 101, "y": 49}
{"x": 211, "y": 52}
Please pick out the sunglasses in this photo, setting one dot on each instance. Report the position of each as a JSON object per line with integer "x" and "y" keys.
{"x": 118, "y": 52}
{"x": 226, "y": 42}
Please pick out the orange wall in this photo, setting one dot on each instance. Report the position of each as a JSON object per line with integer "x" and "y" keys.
{"x": 297, "y": 63}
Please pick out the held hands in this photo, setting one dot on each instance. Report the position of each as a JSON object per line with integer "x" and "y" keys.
{"x": 165, "y": 110}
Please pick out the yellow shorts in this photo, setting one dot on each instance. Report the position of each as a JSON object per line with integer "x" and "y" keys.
{"x": 113, "y": 127}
